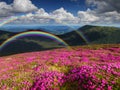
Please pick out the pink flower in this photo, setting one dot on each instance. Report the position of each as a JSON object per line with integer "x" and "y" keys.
{"x": 109, "y": 88}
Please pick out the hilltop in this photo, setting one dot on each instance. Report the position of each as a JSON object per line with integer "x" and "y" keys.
{"x": 93, "y": 34}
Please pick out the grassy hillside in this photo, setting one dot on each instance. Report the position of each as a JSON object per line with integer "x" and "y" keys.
{"x": 93, "y": 34}
{"x": 4, "y": 35}
{"x": 29, "y": 44}
{"x": 101, "y": 35}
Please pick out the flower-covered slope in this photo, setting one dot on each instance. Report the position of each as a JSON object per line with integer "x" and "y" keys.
{"x": 61, "y": 69}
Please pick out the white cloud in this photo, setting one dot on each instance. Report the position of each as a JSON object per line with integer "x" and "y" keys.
{"x": 41, "y": 16}
{"x": 87, "y": 16}
{"x": 100, "y": 15}
{"x": 108, "y": 11}
{"x": 92, "y": 17}
{"x": 23, "y": 6}
{"x": 104, "y": 5}
{"x": 41, "y": 13}
{"x": 109, "y": 17}
{"x": 5, "y": 9}
{"x": 18, "y": 6}
{"x": 61, "y": 15}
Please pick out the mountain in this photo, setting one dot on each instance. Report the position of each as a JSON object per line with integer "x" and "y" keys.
{"x": 52, "y": 29}
{"x": 85, "y": 35}
{"x": 92, "y": 35}
{"x": 101, "y": 34}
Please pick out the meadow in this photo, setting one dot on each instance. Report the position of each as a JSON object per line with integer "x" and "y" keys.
{"x": 95, "y": 67}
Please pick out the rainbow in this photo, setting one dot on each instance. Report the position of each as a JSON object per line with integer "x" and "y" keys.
{"x": 7, "y": 20}
{"x": 11, "y": 19}
{"x": 78, "y": 32}
{"x": 29, "y": 33}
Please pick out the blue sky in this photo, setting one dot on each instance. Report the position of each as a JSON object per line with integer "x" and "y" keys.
{"x": 71, "y": 6}
{"x": 75, "y": 12}
{"x": 51, "y": 5}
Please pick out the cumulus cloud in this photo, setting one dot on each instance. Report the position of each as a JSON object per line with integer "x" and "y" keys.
{"x": 112, "y": 17}
{"x": 41, "y": 16}
{"x": 105, "y": 5}
{"x": 61, "y": 15}
{"x": 41, "y": 12}
{"x": 5, "y": 10}
{"x": 107, "y": 11}
{"x": 18, "y": 6}
{"x": 23, "y": 6}
{"x": 87, "y": 16}
{"x": 102, "y": 12}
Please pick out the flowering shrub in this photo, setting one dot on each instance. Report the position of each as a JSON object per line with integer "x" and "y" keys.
{"x": 62, "y": 69}
{"x": 48, "y": 80}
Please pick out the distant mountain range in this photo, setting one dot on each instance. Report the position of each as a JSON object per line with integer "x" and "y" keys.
{"x": 85, "y": 35}
{"x": 52, "y": 29}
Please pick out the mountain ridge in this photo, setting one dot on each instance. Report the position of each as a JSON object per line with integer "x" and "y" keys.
{"x": 92, "y": 34}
